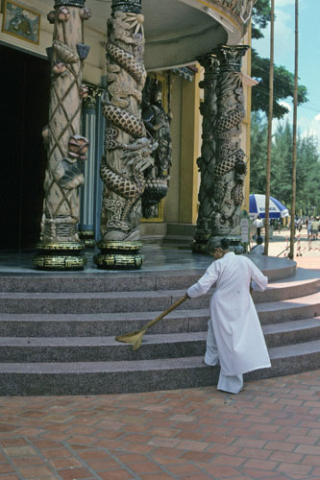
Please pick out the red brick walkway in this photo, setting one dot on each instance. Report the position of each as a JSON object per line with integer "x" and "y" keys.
{"x": 270, "y": 431}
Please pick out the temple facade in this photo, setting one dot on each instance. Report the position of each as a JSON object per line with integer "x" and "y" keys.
{"x": 123, "y": 122}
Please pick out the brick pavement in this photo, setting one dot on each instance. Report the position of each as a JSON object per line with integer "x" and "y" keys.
{"x": 270, "y": 431}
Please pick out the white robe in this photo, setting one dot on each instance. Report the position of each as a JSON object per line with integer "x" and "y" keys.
{"x": 240, "y": 341}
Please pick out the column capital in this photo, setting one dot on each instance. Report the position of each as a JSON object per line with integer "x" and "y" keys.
{"x": 210, "y": 62}
{"x": 69, "y": 3}
{"x": 230, "y": 57}
{"x": 132, "y": 6}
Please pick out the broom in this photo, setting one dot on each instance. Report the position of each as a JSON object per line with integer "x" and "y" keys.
{"x": 136, "y": 337}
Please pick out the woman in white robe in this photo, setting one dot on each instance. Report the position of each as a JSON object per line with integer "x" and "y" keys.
{"x": 235, "y": 339}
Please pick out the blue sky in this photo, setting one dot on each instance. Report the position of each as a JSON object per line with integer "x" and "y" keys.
{"x": 309, "y": 58}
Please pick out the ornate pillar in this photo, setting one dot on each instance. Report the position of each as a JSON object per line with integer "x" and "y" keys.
{"x": 59, "y": 245}
{"x": 128, "y": 150}
{"x": 157, "y": 123}
{"x": 87, "y": 191}
{"x": 230, "y": 168}
{"x": 207, "y": 161}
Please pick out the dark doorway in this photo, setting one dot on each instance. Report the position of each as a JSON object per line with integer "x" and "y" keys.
{"x": 24, "y": 108}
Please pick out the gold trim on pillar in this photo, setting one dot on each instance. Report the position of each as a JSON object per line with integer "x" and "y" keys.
{"x": 118, "y": 254}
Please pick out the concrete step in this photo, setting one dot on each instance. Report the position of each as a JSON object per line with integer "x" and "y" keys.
{"x": 298, "y": 331}
{"x": 114, "y": 302}
{"x": 101, "y": 281}
{"x": 104, "y": 349}
{"x": 85, "y": 378}
{"x": 289, "y": 310}
{"x": 103, "y": 324}
{"x": 111, "y": 324}
{"x": 112, "y": 281}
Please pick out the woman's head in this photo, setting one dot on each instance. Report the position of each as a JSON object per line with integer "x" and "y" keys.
{"x": 217, "y": 247}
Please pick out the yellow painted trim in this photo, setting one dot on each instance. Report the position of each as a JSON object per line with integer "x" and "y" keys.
{"x": 219, "y": 11}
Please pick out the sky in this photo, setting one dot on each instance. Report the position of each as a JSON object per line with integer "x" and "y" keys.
{"x": 309, "y": 58}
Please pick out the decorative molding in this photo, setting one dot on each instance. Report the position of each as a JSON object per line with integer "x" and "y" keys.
{"x": 132, "y": 6}
{"x": 69, "y": 3}
{"x": 239, "y": 10}
{"x": 185, "y": 72}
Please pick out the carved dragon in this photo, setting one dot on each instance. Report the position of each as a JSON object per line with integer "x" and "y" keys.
{"x": 128, "y": 150}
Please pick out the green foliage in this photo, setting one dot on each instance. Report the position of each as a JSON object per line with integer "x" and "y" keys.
{"x": 283, "y": 86}
{"x": 258, "y": 155}
{"x": 261, "y": 15}
{"x": 308, "y": 166}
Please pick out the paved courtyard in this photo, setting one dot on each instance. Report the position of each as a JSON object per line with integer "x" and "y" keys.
{"x": 271, "y": 431}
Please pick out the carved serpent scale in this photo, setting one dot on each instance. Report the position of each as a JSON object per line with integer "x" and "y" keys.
{"x": 231, "y": 120}
{"x": 127, "y": 61}
{"x": 124, "y": 120}
{"x": 130, "y": 190}
{"x": 237, "y": 194}
{"x": 228, "y": 163}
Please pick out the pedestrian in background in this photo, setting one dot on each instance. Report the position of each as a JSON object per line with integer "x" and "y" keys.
{"x": 258, "y": 224}
{"x": 314, "y": 228}
{"x": 258, "y": 248}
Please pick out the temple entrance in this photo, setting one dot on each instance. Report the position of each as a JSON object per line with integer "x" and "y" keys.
{"x": 24, "y": 106}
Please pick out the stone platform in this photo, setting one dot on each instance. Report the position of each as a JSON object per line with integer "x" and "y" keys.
{"x": 57, "y": 329}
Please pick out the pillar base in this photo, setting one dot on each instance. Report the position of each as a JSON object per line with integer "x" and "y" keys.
{"x": 116, "y": 255}
{"x": 236, "y": 244}
{"x": 60, "y": 256}
{"x": 199, "y": 244}
{"x": 87, "y": 237}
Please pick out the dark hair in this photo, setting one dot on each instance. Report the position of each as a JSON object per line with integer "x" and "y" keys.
{"x": 217, "y": 242}
{"x": 225, "y": 243}
{"x": 259, "y": 240}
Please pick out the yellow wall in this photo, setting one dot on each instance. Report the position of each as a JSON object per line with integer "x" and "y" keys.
{"x": 190, "y": 150}
{"x": 180, "y": 205}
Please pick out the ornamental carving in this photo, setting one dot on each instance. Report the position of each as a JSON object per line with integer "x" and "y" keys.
{"x": 157, "y": 123}
{"x": 222, "y": 163}
{"x": 230, "y": 168}
{"x": 207, "y": 161}
{"x": 128, "y": 147}
{"x": 66, "y": 148}
{"x": 241, "y": 9}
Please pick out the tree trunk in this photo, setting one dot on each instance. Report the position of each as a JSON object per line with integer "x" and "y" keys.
{"x": 294, "y": 145}
{"x": 269, "y": 147}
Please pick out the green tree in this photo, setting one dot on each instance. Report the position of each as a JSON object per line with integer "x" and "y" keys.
{"x": 258, "y": 155}
{"x": 261, "y": 15}
{"x": 281, "y": 174}
{"x": 283, "y": 87}
{"x": 308, "y": 165}
{"x": 308, "y": 176}
{"x": 283, "y": 79}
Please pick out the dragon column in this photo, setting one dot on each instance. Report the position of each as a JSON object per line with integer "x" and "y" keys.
{"x": 230, "y": 169}
{"x": 59, "y": 245}
{"x": 128, "y": 147}
{"x": 207, "y": 161}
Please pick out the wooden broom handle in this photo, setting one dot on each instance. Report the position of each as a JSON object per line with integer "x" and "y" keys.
{"x": 163, "y": 314}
